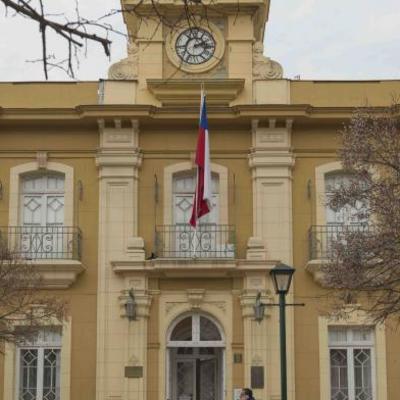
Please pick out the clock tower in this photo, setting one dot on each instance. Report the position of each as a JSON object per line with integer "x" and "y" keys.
{"x": 176, "y": 45}
{"x": 176, "y": 306}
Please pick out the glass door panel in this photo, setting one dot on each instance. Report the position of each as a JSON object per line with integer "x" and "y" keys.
{"x": 185, "y": 380}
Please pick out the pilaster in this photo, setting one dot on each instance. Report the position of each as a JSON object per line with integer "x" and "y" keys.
{"x": 118, "y": 162}
{"x": 257, "y": 351}
{"x": 271, "y": 162}
{"x": 134, "y": 340}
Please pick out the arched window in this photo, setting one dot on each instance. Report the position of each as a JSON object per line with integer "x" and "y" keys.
{"x": 210, "y": 239}
{"x": 42, "y": 199}
{"x": 213, "y": 237}
{"x": 42, "y": 233}
{"x": 348, "y": 214}
{"x": 184, "y": 186}
{"x": 196, "y": 346}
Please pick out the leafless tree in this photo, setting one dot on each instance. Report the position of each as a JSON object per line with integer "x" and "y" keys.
{"x": 365, "y": 262}
{"x": 77, "y": 31}
{"x": 24, "y": 307}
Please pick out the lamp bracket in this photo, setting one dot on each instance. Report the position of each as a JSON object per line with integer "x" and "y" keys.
{"x": 286, "y": 304}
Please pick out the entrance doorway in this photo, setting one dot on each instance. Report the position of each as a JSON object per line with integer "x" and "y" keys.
{"x": 196, "y": 359}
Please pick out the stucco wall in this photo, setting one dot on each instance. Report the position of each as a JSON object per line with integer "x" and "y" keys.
{"x": 343, "y": 93}
{"x": 75, "y": 148}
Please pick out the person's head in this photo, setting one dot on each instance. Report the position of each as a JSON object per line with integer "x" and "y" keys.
{"x": 246, "y": 394}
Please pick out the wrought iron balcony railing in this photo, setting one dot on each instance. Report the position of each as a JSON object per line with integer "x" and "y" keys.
{"x": 322, "y": 238}
{"x": 207, "y": 241}
{"x": 43, "y": 242}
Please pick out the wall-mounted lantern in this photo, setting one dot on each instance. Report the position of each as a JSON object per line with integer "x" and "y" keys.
{"x": 259, "y": 308}
{"x": 130, "y": 306}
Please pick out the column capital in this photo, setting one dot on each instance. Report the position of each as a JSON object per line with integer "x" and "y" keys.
{"x": 271, "y": 153}
{"x": 118, "y": 154}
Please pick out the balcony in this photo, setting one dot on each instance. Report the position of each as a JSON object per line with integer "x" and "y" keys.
{"x": 322, "y": 238}
{"x": 43, "y": 242}
{"x": 208, "y": 241}
{"x": 321, "y": 241}
{"x": 55, "y": 250}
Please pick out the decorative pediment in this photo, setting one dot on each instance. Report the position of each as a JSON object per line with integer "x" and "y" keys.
{"x": 185, "y": 91}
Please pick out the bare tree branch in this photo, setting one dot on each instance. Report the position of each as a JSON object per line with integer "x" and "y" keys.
{"x": 365, "y": 263}
{"x": 78, "y": 32}
{"x": 24, "y": 307}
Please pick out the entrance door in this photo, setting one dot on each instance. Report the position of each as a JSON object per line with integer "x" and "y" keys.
{"x": 196, "y": 354}
{"x": 207, "y": 383}
{"x": 195, "y": 373}
{"x": 185, "y": 379}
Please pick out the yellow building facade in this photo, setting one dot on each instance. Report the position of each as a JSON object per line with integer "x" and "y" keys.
{"x": 96, "y": 189}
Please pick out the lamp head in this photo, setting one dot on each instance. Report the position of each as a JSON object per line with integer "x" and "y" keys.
{"x": 282, "y": 278}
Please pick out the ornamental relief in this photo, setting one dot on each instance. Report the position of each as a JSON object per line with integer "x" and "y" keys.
{"x": 219, "y": 304}
{"x": 169, "y": 306}
{"x": 264, "y": 67}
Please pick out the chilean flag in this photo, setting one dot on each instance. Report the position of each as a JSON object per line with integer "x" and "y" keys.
{"x": 202, "y": 198}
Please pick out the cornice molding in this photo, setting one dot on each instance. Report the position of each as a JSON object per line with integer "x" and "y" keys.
{"x": 194, "y": 268}
{"x": 112, "y": 111}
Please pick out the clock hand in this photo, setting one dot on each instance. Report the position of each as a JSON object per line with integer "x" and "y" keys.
{"x": 205, "y": 45}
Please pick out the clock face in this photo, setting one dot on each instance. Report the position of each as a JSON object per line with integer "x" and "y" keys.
{"x": 195, "y": 46}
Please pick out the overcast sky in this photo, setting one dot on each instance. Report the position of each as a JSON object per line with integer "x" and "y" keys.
{"x": 316, "y": 39}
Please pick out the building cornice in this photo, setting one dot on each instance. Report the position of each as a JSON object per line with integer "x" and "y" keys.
{"x": 91, "y": 112}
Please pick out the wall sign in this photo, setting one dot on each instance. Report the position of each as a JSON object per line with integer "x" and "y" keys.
{"x": 237, "y": 358}
{"x": 133, "y": 372}
{"x": 257, "y": 377}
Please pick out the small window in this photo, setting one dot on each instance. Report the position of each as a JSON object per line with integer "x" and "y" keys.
{"x": 351, "y": 363}
{"x": 39, "y": 367}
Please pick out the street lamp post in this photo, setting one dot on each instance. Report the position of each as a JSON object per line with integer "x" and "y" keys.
{"x": 282, "y": 277}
